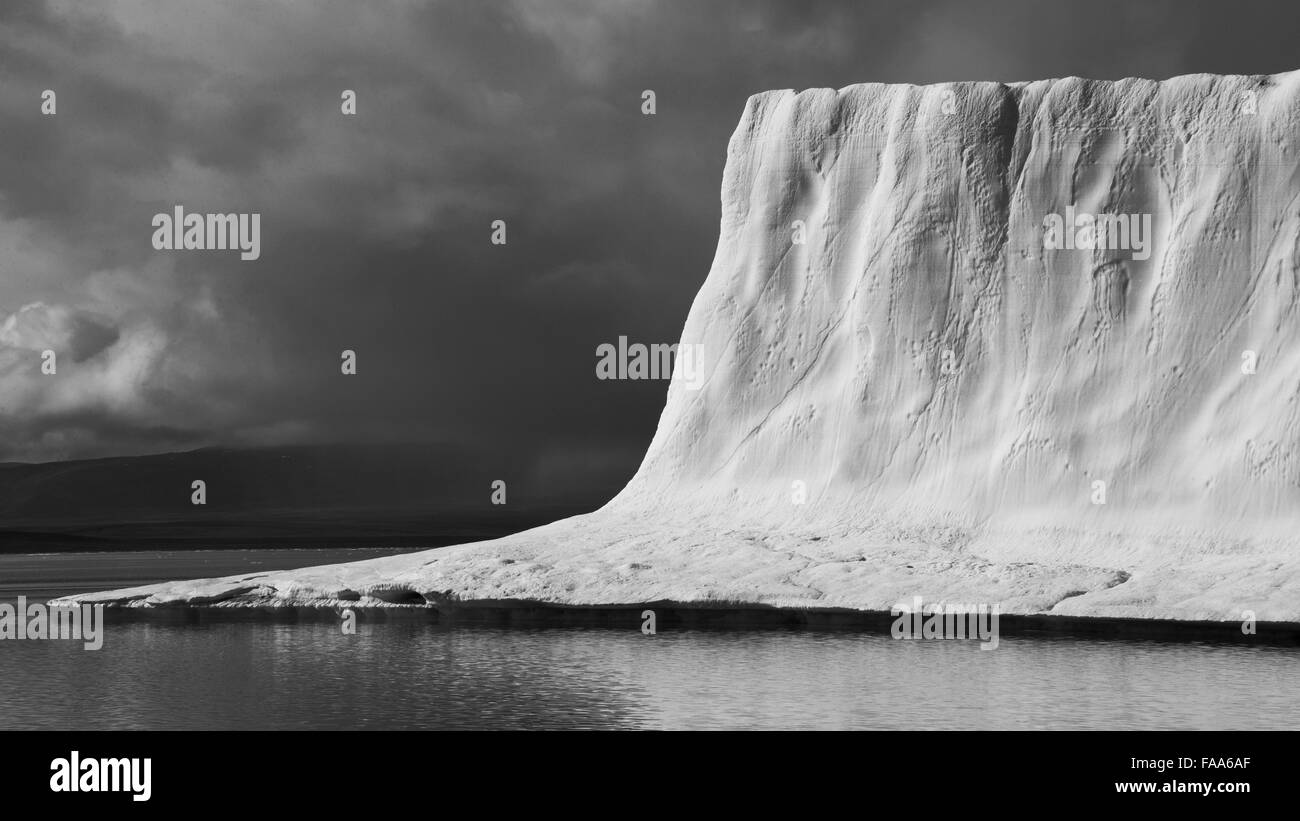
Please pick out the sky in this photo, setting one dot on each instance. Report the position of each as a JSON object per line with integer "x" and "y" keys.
{"x": 376, "y": 227}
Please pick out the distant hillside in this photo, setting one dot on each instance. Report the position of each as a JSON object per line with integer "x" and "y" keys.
{"x": 292, "y": 496}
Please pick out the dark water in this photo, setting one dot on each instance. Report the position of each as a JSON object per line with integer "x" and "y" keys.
{"x": 403, "y": 673}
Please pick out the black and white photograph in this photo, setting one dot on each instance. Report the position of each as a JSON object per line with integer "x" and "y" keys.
{"x": 376, "y": 371}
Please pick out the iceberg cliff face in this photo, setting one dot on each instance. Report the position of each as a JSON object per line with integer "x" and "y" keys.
{"x": 922, "y": 352}
{"x": 1029, "y": 344}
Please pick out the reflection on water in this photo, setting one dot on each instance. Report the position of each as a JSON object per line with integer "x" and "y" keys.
{"x": 396, "y": 674}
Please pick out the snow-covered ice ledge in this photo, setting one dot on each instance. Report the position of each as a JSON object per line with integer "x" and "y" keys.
{"x": 926, "y": 397}
{"x": 606, "y": 559}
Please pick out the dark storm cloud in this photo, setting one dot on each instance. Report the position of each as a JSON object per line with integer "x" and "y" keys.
{"x": 376, "y": 227}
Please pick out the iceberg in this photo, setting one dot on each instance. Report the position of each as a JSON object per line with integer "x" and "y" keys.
{"x": 910, "y": 385}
